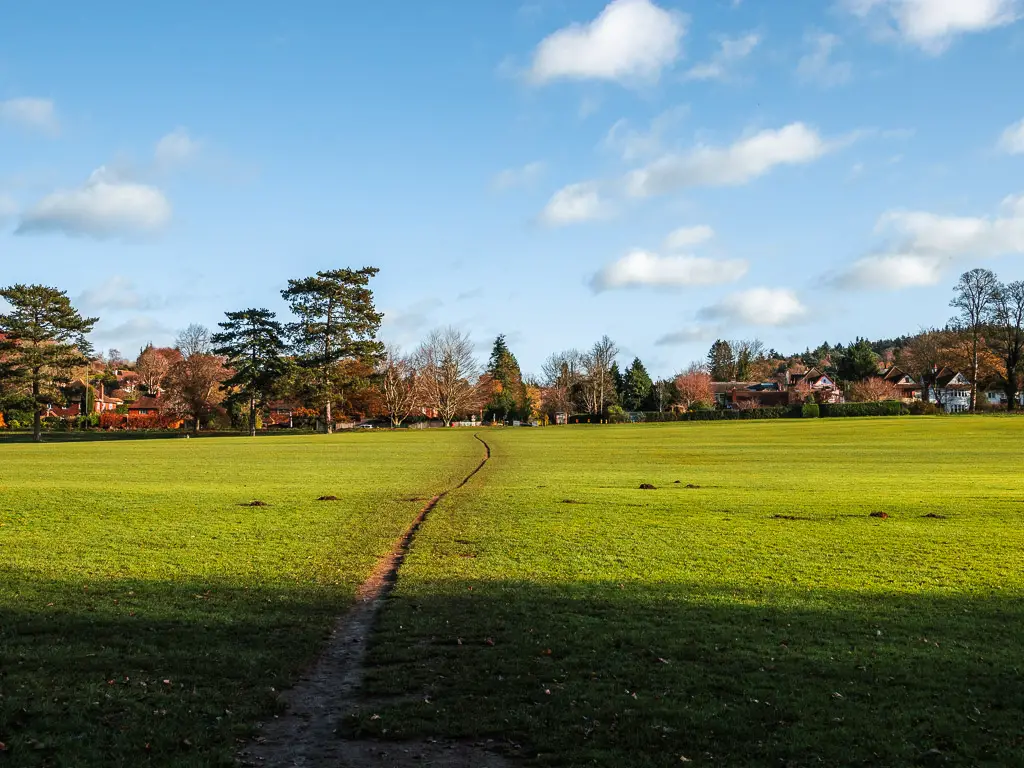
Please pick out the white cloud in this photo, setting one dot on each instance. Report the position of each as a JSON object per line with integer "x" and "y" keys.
{"x": 687, "y": 237}
{"x": 117, "y": 292}
{"x": 895, "y": 270}
{"x": 518, "y": 177}
{"x": 817, "y": 65}
{"x": 176, "y": 149}
{"x": 635, "y": 144}
{"x": 932, "y": 25}
{"x": 1012, "y": 140}
{"x": 132, "y": 333}
{"x": 575, "y": 203}
{"x": 33, "y": 114}
{"x": 757, "y": 306}
{"x": 736, "y": 164}
{"x": 924, "y": 246}
{"x": 413, "y": 318}
{"x": 731, "y": 51}
{"x": 630, "y": 41}
{"x": 690, "y": 335}
{"x": 643, "y": 268}
{"x": 104, "y": 206}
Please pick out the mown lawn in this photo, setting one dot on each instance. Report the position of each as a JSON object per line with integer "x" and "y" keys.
{"x": 146, "y": 617}
{"x": 762, "y": 618}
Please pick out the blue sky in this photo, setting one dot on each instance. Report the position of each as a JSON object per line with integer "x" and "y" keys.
{"x": 664, "y": 172}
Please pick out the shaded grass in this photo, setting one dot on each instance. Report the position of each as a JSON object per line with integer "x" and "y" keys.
{"x": 639, "y": 627}
{"x": 147, "y": 618}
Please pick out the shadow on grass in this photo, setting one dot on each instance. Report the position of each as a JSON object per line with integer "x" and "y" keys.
{"x": 173, "y": 673}
{"x": 112, "y": 673}
{"x": 616, "y": 675}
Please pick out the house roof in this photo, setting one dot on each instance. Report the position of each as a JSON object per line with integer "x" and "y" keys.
{"x": 724, "y": 387}
{"x": 146, "y": 403}
{"x": 944, "y": 379}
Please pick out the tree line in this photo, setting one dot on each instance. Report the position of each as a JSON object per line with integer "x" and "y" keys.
{"x": 328, "y": 358}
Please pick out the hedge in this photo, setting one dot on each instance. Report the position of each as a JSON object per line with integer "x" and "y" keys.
{"x": 887, "y": 408}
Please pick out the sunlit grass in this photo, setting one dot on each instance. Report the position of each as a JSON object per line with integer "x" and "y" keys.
{"x": 146, "y": 617}
{"x": 761, "y": 618}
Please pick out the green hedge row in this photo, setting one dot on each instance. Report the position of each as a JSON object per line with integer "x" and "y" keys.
{"x": 806, "y": 411}
{"x": 888, "y": 408}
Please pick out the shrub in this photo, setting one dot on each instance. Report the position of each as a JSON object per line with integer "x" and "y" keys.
{"x": 730, "y": 415}
{"x": 886, "y": 408}
{"x": 921, "y": 408}
{"x": 810, "y": 410}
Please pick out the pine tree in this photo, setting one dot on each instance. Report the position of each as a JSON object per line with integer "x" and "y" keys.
{"x": 336, "y": 321}
{"x": 617, "y": 382}
{"x": 857, "y": 362}
{"x": 637, "y": 386}
{"x": 43, "y": 338}
{"x": 509, "y": 398}
{"x": 253, "y": 345}
{"x": 722, "y": 361}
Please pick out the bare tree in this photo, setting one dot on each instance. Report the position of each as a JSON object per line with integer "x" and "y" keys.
{"x": 115, "y": 359}
{"x": 1008, "y": 338}
{"x": 597, "y": 385}
{"x": 975, "y": 297}
{"x": 398, "y": 385}
{"x": 873, "y": 390}
{"x": 922, "y": 357}
{"x": 563, "y": 372}
{"x": 194, "y": 340}
{"x": 152, "y": 366}
{"x": 193, "y": 387}
{"x": 448, "y": 373}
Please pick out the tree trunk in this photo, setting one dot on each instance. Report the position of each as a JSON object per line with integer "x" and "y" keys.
{"x": 37, "y": 418}
{"x": 329, "y": 426}
{"x": 252, "y": 415}
{"x": 974, "y": 373}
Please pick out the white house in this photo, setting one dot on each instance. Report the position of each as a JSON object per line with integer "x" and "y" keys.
{"x": 951, "y": 391}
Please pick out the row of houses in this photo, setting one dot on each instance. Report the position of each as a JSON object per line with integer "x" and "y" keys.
{"x": 949, "y": 389}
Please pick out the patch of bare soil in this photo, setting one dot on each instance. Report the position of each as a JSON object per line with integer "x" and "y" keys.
{"x": 306, "y": 734}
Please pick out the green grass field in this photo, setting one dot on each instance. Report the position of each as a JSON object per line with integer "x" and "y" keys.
{"x": 555, "y": 606}
{"x": 147, "y": 618}
{"x": 762, "y": 618}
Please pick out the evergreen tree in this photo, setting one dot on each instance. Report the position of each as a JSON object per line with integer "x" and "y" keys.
{"x": 43, "y": 339}
{"x": 336, "y": 321}
{"x": 617, "y": 381}
{"x": 509, "y": 397}
{"x": 637, "y": 386}
{"x": 722, "y": 361}
{"x": 252, "y": 343}
{"x": 857, "y": 362}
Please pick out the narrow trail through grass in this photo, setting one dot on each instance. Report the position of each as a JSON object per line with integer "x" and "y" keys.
{"x": 746, "y": 610}
{"x": 306, "y": 733}
{"x": 149, "y": 616}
